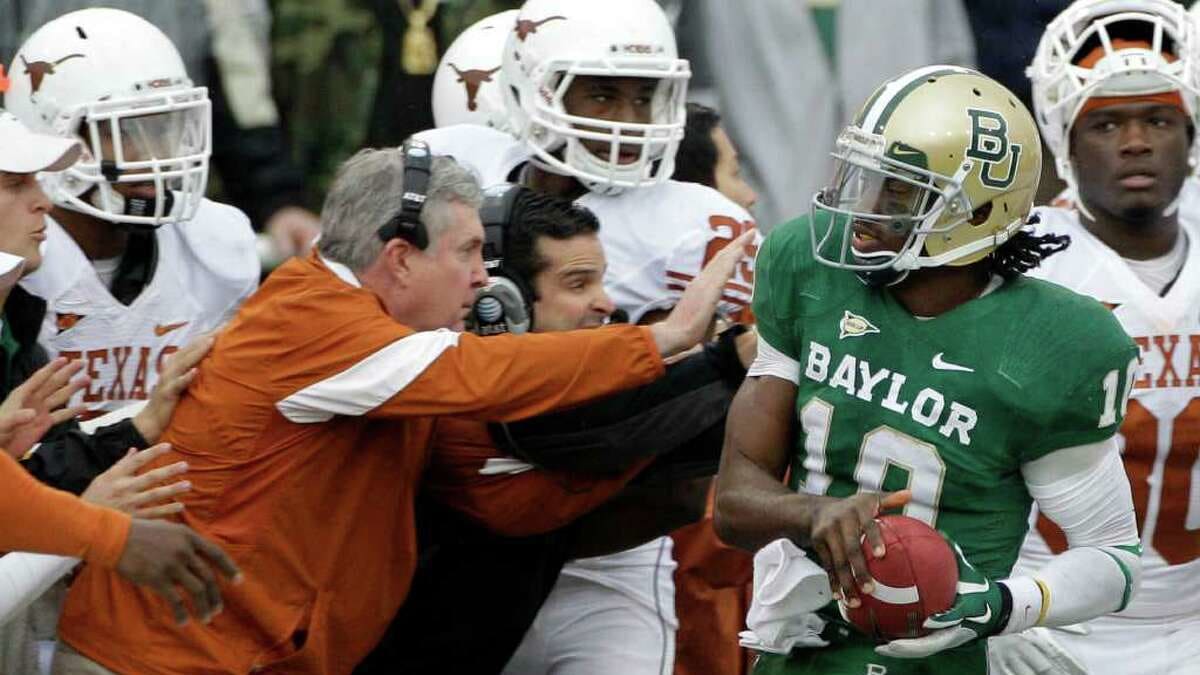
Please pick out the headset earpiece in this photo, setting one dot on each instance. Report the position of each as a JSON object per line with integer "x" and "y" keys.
{"x": 406, "y": 224}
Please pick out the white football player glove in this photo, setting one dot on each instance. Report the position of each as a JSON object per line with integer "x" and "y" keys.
{"x": 1031, "y": 652}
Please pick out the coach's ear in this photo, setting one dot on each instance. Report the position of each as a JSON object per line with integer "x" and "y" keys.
{"x": 398, "y": 258}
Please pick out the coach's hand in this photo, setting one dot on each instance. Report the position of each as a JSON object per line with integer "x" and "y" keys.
{"x": 144, "y": 496}
{"x": 177, "y": 374}
{"x": 166, "y": 557}
{"x": 837, "y": 528}
{"x": 689, "y": 322}
{"x": 38, "y": 404}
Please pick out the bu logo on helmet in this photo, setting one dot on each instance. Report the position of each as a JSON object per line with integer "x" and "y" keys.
{"x": 990, "y": 145}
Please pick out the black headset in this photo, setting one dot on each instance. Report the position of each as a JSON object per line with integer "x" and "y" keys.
{"x": 406, "y": 224}
{"x": 505, "y": 304}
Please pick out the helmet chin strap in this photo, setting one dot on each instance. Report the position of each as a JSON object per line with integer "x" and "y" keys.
{"x": 883, "y": 277}
{"x": 141, "y": 207}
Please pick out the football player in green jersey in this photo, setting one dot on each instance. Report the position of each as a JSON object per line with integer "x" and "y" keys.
{"x": 935, "y": 378}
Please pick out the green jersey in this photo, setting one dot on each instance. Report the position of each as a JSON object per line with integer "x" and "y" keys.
{"x": 948, "y": 407}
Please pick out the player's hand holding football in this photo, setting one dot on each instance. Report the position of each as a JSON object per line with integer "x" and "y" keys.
{"x": 838, "y": 526}
{"x": 177, "y": 373}
{"x": 976, "y": 613}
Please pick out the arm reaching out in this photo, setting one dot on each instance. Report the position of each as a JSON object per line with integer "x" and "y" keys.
{"x": 689, "y": 321}
{"x": 24, "y": 577}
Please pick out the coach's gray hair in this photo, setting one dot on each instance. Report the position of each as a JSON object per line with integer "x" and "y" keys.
{"x": 366, "y": 194}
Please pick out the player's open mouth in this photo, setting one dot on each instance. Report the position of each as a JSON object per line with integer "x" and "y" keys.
{"x": 628, "y": 156}
{"x": 864, "y": 240}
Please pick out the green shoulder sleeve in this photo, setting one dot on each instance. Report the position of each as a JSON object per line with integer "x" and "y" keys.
{"x": 1099, "y": 360}
{"x": 777, "y": 285}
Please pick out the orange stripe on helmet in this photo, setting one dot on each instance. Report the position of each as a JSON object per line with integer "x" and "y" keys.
{"x": 1171, "y": 98}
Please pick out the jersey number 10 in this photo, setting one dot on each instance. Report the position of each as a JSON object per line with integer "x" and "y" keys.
{"x": 885, "y": 452}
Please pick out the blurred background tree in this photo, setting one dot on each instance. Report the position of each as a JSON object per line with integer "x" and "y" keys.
{"x": 339, "y": 79}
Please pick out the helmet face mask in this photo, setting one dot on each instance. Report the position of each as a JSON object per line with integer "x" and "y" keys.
{"x": 594, "y": 146}
{"x": 939, "y": 168}
{"x": 885, "y": 206}
{"x": 553, "y": 46}
{"x": 122, "y": 90}
{"x": 164, "y": 144}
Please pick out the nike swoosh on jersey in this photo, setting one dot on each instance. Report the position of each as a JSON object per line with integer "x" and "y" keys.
{"x": 162, "y": 329}
{"x": 940, "y": 363}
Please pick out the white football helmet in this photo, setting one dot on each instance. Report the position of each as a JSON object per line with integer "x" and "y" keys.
{"x": 117, "y": 83}
{"x": 555, "y": 41}
{"x": 1079, "y": 57}
{"x": 467, "y": 85}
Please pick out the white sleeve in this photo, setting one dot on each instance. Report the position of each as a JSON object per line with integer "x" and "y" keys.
{"x": 1085, "y": 491}
{"x": 24, "y": 577}
{"x": 771, "y": 361}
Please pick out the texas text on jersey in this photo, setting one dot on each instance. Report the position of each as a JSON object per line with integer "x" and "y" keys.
{"x": 204, "y": 268}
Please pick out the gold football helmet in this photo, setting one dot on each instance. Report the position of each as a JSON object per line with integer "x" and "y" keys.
{"x": 943, "y": 156}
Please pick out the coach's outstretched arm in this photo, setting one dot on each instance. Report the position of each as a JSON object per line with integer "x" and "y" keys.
{"x": 499, "y": 378}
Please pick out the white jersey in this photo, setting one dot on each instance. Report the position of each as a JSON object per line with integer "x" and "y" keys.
{"x": 492, "y": 155}
{"x": 204, "y": 269}
{"x": 1161, "y": 433}
{"x": 656, "y": 239}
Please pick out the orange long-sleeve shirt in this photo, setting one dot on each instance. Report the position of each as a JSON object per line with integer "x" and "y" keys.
{"x": 40, "y": 519}
{"x": 464, "y": 475}
{"x": 306, "y": 433}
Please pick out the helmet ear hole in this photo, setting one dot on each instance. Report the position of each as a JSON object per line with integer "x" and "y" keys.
{"x": 981, "y": 214}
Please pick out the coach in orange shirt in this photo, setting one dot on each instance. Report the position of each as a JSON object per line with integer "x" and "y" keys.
{"x": 308, "y": 427}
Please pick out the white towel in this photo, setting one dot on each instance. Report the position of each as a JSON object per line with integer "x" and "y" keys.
{"x": 788, "y": 589}
{"x": 24, "y": 577}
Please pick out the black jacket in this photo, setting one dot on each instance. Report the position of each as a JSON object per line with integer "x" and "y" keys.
{"x": 475, "y": 593}
{"x": 67, "y": 458}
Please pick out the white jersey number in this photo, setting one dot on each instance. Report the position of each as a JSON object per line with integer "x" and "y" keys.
{"x": 884, "y": 451}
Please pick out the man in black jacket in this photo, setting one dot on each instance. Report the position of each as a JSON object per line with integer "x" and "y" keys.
{"x": 477, "y": 592}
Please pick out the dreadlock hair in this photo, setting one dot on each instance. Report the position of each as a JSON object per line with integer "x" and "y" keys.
{"x": 1025, "y": 251}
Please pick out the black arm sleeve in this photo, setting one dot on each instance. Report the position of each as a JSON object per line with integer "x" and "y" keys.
{"x": 609, "y": 435}
{"x": 68, "y": 458}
